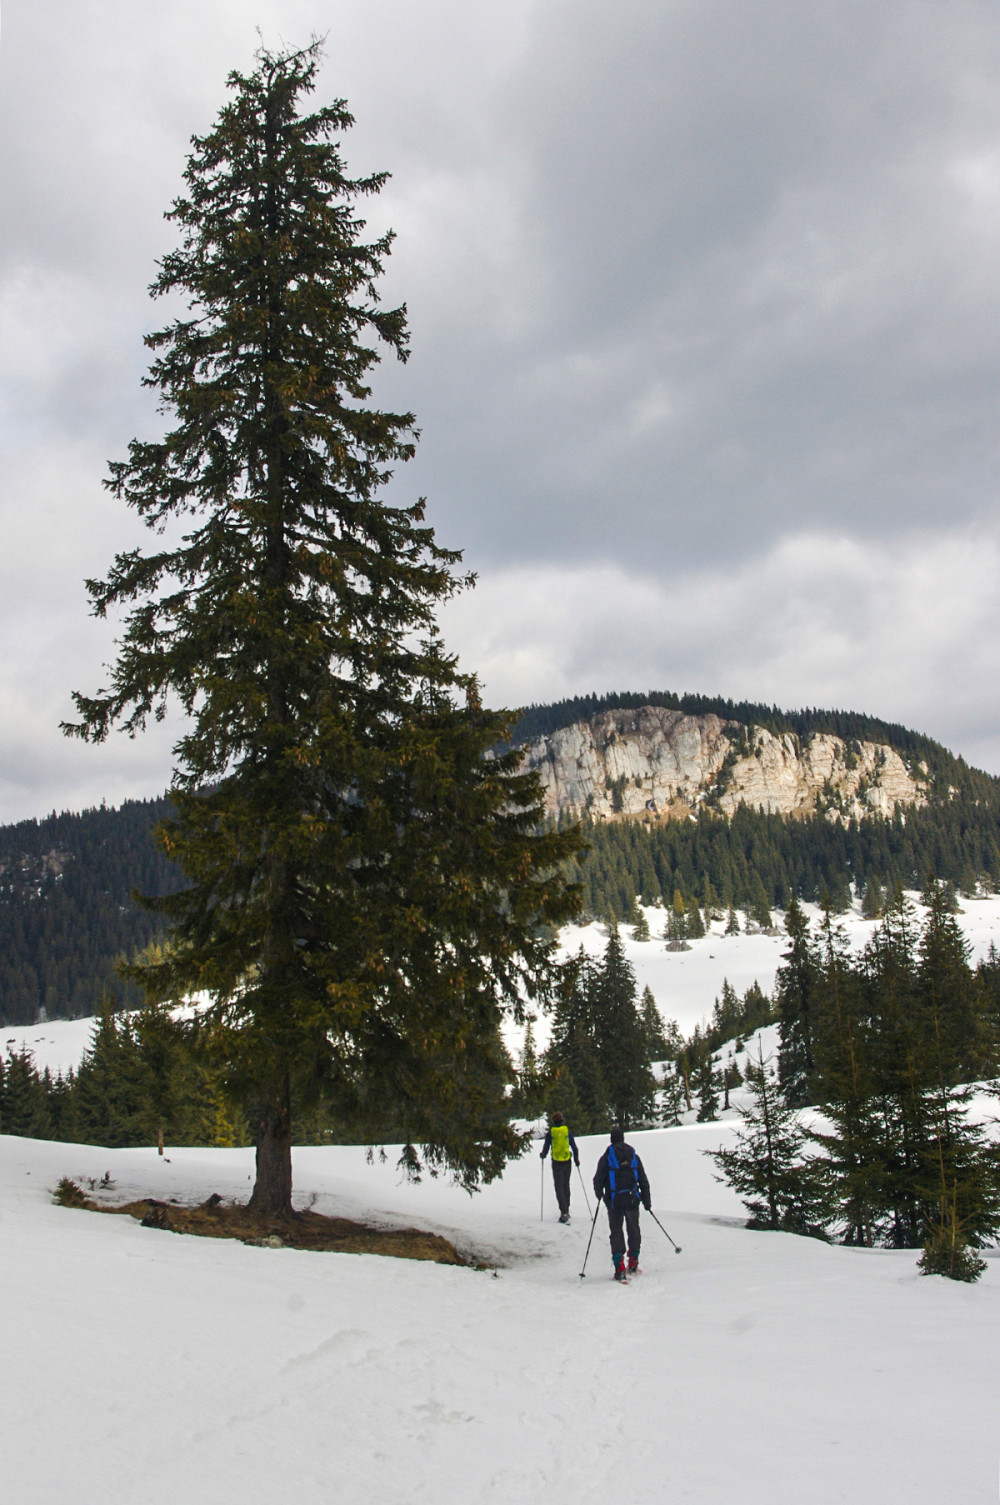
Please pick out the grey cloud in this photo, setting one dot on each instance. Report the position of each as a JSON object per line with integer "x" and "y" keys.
{"x": 751, "y": 225}
{"x": 691, "y": 285}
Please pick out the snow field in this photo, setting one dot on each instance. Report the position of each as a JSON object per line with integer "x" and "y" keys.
{"x": 141, "y": 1365}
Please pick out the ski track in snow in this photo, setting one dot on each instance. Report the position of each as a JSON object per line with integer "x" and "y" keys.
{"x": 141, "y": 1365}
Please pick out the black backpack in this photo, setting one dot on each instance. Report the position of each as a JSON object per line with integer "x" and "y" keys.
{"x": 623, "y": 1179}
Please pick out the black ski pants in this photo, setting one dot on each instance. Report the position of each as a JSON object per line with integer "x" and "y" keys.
{"x": 630, "y": 1217}
{"x": 560, "y": 1177}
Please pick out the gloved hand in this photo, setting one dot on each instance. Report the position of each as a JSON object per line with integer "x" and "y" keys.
{"x": 542, "y": 1155}
{"x": 648, "y": 1206}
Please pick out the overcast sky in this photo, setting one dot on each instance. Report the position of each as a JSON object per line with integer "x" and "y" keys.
{"x": 705, "y": 330}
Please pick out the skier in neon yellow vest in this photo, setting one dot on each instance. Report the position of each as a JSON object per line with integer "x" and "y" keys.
{"x": 560, "y": 1141}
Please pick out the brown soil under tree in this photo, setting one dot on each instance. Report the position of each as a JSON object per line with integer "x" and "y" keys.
{"x": 215, "y": 1218}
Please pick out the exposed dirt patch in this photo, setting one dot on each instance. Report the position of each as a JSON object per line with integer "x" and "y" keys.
{"x": 304, "y": 1230}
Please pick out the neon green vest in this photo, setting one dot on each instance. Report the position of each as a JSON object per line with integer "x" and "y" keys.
{"x": 560, "y": 1143}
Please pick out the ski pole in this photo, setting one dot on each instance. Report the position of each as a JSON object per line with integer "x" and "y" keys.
{"x": 652, "y": 1214}
{"x": 583, "y": 1186}
{"x": 541, "y": 1215}
{"x": 591, "y": 1239}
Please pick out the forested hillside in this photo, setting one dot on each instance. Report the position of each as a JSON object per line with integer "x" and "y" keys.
{"x": 752, "y": 859}
{"x": 756, "y": 859}
{"x": 66, "y": 910}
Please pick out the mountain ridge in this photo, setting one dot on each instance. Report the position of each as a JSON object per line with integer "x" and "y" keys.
{"x": 67, "y": 880}
{"x": 539, "y": 720}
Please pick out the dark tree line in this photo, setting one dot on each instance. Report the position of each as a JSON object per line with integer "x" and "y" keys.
{"x": 141, "y": 1081}
{"x": 755, "y": 861}
{"x": 67, "y": 911}
{"x": 596, "y": 1071}
{"x": 888, "y": 1044}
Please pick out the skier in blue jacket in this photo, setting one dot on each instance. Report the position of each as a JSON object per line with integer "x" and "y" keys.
{"x": 622, "y": 1184}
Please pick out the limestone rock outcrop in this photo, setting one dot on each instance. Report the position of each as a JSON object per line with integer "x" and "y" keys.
{"x": 655, "y": 763}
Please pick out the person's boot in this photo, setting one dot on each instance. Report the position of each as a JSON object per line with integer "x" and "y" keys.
{"x": 620, "y": 1267}
{"x": 564, "y": 1217}
{"x": 633, "y": 1265}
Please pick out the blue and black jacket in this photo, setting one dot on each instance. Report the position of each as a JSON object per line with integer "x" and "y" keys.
{"x": 607, "y": 1174}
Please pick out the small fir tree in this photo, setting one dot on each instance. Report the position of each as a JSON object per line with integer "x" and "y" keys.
{"x": 24, "y": 1108}
{"x": 531, "y": 1087}
{"x": 675, "y": 930}
{"x": 671, "y": 1098}
{"x": 706, "y": 1081}
{"x": 765, "y": 1166}
{"x": 695, "y": 927}
{"x": 795, "y": 988}
{"x": 652, "y": 1024}
{"x": 873, "y": 900}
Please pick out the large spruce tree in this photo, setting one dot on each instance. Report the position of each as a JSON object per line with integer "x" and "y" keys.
{"x": 367, "y": 888}
{"x": 621, "y": 1037}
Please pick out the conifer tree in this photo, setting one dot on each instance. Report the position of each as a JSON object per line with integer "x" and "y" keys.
{"x": 673, "y": 1040}
{"x": 531, "y": 1086}
{"x": 779, "y": 1187}
{"x": 695, "y": 928}
{"x": 621, "y": 1039}
{"x": 854, "y": 1150}
{"x": 571, "y": 1062}
{"x": 24, "y": 1109}
{"x": 672, "y": 1098}
{"x": 706, "y": 1081}
{"x": 367, "y": 892}
{"x": 675, "y": 929}
{"x": 962, "y": 1165}
{"x": 795, "y": 989}
{"x": 873, "y": 900}
{"x": 949, "y": 1001}
{"x": 710, "y": 901}
{"x": 652, "y": 1024}
{"x": 727, "y": 1015}
{"x": 899, "y": 1069}
{"x": 759, "y": 907}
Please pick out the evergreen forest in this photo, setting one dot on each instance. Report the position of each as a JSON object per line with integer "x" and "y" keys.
{"x": 67, "y": 911}
{"x": 890, "y": 1046}
{"x": 756, "y": 859}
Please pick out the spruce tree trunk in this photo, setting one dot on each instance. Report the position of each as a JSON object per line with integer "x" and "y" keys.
{"x": 272, "y": 1192}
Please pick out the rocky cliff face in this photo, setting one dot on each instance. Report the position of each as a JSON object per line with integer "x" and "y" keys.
{"x": 656, "y": 763}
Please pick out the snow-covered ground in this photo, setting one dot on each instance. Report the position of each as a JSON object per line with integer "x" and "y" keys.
{"x": 140, "y": 1365}
{"x": 685, "y": 984}
{"x": 761, "y": 1368}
